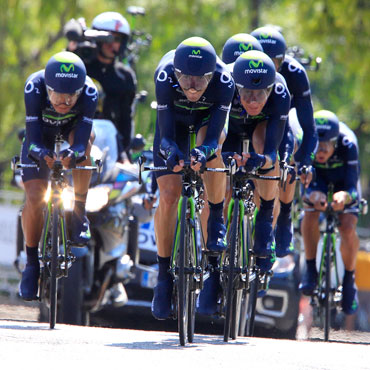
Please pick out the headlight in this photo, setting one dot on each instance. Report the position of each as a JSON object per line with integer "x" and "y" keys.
{"x": 97, "y": 198}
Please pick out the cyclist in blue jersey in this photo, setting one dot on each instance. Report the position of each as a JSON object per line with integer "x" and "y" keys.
{"x": 259, "y": 110}
{"x": 274, "y": 46}
{"x": 193, "y": 87}
{"x": 336, "y": 162}
{"x": 59, "y": 99}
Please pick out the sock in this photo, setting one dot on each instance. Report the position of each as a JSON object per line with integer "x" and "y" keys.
{"x": 311, "y": 264}
{"x": 32, "y": 255}
{"x": 79, "y": 207}
{"x": 163, "y": 266}
{"x": 216, "y": 209}
{"x": 266, "y": 209}
{"x": 285, "y": 208}
{"x": 349, "y": 275}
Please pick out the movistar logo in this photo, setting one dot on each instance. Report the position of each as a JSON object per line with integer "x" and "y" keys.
{"x": 67, "y": 69}
{"x": 255, "y": 64}
{"x": 243, "y": 47}
{"x": 322, "y": 121}
{"x": 266, "y": 35}
{"x": 195, "y": 52}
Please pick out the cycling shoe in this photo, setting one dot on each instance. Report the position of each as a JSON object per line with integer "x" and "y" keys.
{"x": 207, "y": 300}
{"x": 80, "y": 229}
{"x": 30, "y": 282}
{"x": 284, "y": 236}
{"x": 309, "y": 282}
{"x": 264, "y": 238}
{"x": 161, "y": 303}
{"x": 350, "y": 298}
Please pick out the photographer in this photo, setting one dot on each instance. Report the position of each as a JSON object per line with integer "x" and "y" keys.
{"x": 102, "y": 49}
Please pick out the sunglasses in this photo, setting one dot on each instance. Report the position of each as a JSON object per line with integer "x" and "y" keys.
{"x": 197, "y": 83}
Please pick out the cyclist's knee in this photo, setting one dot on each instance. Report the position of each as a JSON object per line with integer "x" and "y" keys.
{"x": 170, "y": 190}
{"x": 35, "y": 193}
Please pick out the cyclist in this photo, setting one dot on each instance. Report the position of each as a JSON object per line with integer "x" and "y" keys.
{"x": 260, "y": 109}
{"x": 103, "y": 64}
{"x": 336, "y": 162}
{"x": 193, "y": 87}
{"x": 59, "y": 99}
{"x": 274, "y": 46}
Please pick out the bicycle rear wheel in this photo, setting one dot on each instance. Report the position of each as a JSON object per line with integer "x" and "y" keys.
{"x": 54, "y": 267}
{"x": 183, "y": 287}
{"x": 327, "y": 300}
{"x": 232, "y": 302}
{"x": 251, "y": 307}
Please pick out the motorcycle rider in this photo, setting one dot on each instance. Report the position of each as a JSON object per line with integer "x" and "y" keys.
{"x": 103, "y": 62}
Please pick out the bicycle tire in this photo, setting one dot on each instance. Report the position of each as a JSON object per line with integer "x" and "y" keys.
{"x": 230, "y": 292}
{"x": 54, "y": 267}
{"x": 251, "y": 307}
{"x": 192, "y": 248}
{"x": 183, "y": 277}
{"x": 327, "y": 299}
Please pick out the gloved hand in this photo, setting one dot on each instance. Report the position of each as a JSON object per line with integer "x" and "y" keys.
{"x": 68, "y": 158}
{"x": 173, "y": 155}
{"x": 200, "y": 156}
{"x": 37, "y": 153}
{"x": 307, "y": 174}
{"x": 254, "y": 162}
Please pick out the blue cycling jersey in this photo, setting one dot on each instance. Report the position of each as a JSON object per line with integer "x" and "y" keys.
{"x": 40, "y": 114}
{"x": 342, "y": 169}
{"x": 275, "y": 112}
{"x": 299, "y": 88}
{"x": 174, "y": 108}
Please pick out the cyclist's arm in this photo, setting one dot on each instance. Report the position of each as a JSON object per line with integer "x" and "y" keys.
{"x": 305, "y": 118}
{"x": 299, "y": 87}
{"x": 276, "y": 124}
{"x": 33, "y": 97}
{"x": 351, "y": 173}
{"x": 286, "y": 147}
{"x": 84, "y": 126}
{"x": 219, "y": 112}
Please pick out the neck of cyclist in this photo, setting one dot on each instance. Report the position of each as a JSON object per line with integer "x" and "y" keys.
{"x": 108, "y": 52}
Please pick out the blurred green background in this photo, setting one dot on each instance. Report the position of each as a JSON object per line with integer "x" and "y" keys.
{"x": 338, "y": 31}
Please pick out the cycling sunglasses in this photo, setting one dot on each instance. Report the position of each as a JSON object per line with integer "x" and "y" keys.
{"x": 197, "y": 83}
{"x": 57, "y": 98}
{"x": 250, "y": 95}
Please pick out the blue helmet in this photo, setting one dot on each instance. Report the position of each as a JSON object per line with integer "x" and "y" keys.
{"x": 237, "y": 45}
{"x": 65, "y": 73}
{"x": 327, "y": 125}
{"x": 254, "y": 70}
{"x": 272, "y": 41}
{"x": 195, "y": 56}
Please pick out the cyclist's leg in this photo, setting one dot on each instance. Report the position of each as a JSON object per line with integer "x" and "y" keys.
{"x": 349, "y": 247}
{"x": 215, "y": 183}
{"x": 267, "y": 190}
{"x": 35, "y": 184}
{"x": 165, "y": 218}
{"x": 311, "y": 236}
{"x": 284, "y": 226}
{"x": 81, "y": 182}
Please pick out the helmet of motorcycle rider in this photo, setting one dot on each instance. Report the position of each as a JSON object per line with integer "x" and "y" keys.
{"x": 65, "y": 73}
{"x": 254, "y": 70}
{"x": 327, "y": 125}
{"x": 116, "y": 24}
{"x": 272, "y": 41}
{"x": 237, "y": 45}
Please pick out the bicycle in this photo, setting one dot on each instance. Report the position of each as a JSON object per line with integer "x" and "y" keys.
{"x": 55, "y": 252}
{"x": 240, "y": 277}
{"x": 327, "y": 297}
{"x": 187, "y": 262}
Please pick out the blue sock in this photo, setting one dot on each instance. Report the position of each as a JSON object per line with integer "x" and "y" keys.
{"x": 266, "y": 209}
{"x": 216, "y": 209}
{"x": 163, "y": 267}
{"x": 285, "y": 208}
{"x": 32, "y": 255}
{"x": 311, "y": 264}
{"x": 349, "y": 275}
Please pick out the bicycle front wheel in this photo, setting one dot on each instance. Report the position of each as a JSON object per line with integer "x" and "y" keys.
{"x": 233, "y": 301}
{"x": 327, "y": 299}
{"x": 183, "y": 288}
{"x": 54, "y": 267}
